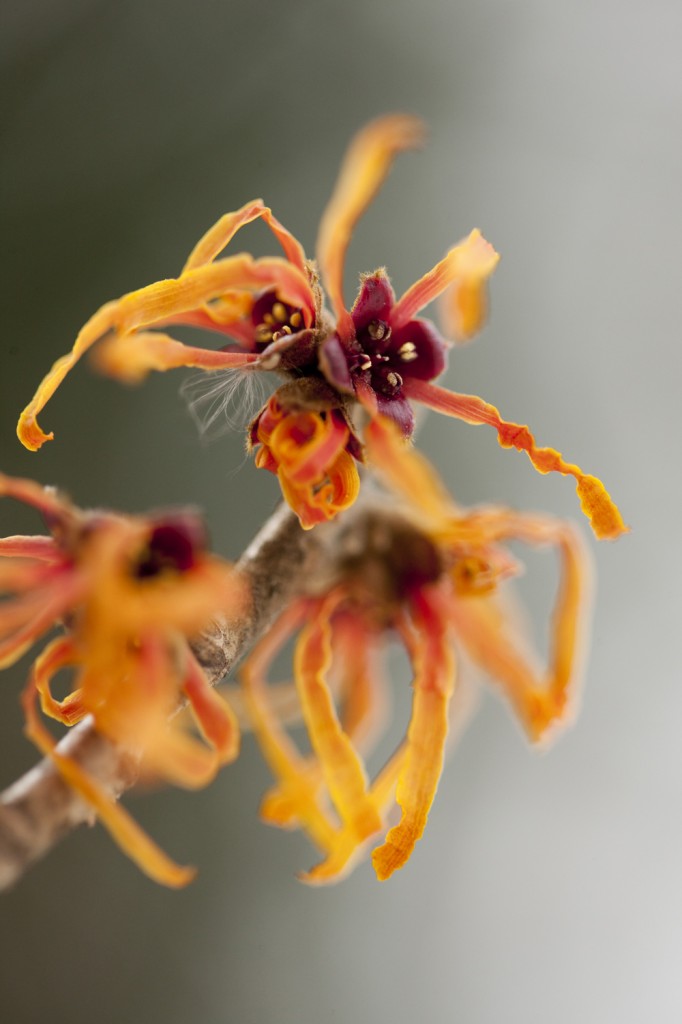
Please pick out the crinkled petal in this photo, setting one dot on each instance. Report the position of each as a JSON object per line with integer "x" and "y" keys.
{"x": 306, "y": 444}
{"x": 595, "y": 501}
{"x": 363, "y": 171}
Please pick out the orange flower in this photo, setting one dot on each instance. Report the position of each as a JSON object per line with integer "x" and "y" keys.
{"x": 132, "y": 592}
{"x": 311, "y": 450}
{"x": 429, "y": 574}
{"x": 379, "y": 354}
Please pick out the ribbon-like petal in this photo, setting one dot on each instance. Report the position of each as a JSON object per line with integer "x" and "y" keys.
{"x": 363, "y": 171}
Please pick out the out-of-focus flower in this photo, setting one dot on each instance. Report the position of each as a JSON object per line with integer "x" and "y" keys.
{"x": 130, "y": 592}
{"x": 430, "y": 575}
{"x": 379, "y": 354}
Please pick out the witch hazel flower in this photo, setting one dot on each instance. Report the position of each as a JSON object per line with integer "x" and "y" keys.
{"x": 127, "y": 593}
{"x": 379, "y": 356}
{"x": 432, "y": 577}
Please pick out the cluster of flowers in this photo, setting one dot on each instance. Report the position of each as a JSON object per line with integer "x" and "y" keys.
{"x": 128, "y": 592}
{"x": 428, "y": 573}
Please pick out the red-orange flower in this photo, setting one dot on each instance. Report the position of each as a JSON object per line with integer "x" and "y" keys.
{"x": 430, "y": 575}
{"x": 132, "y": 591}
{"x": 311, "y": 449}
{"x": 379, "y": 354}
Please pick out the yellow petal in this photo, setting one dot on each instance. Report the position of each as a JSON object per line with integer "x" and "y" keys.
{"x": 298, "y": 785}
{"x": 363, "y": 171}
{"x": 540, "y": 698}
{"x": 213, "y": 714}
{"x": 57, "y": 655}
{"x": 595, "y": 501}
{"x": 434, "y": 670}
{"x": 343, "y": 770}
{"x": 464, "y": 271}
{"x": 406, "y": 471}
{"x": 222, "y": 233}
{"x": 134, "y": 842}
{"x": 130, "y": 357}
{"x": 153, "y": 305}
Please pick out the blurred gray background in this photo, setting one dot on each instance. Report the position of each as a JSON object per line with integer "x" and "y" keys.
{"x": 547, "y": 887}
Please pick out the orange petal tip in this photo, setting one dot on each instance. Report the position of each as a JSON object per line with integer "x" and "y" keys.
{"x": 30, "y": 434}
{"x": 465, "y": 307}
{"x": 603, "y": 514}
{"x": 385, "y": 860}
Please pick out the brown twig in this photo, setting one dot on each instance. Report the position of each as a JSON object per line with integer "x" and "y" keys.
{"x": 40, "y": 808}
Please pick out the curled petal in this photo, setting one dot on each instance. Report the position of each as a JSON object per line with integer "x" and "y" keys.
{"x": 539, "y": 698}
{"x": 363, "y": 171}
{"x": 304, "y": 444}
{"x": 307, "y": 450}
{"x": 135, "y": 843}
{"x": 222, "y": 233}
{"x": 342, "y": 767}
{"x": 57, "y": 655}
{"x": 434, "y": 670}
{"x": 298, "y": 788}
{"x": 465, "y": 269}
{"x": 318, "y": 503}
{"x": 153, "y": 305}
{"x": 595, "y": 501}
